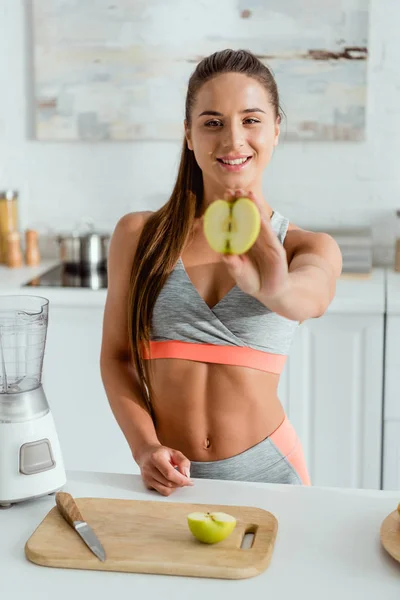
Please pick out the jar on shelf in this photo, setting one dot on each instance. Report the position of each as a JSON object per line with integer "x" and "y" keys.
{"x": 14, "y": 252}
{"x": 8, "y": 219}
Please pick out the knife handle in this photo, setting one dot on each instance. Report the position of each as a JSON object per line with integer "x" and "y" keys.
{"x": 68, "y": 508}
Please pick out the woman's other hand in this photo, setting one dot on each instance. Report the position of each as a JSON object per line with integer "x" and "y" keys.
{"x": 164, "y": 469}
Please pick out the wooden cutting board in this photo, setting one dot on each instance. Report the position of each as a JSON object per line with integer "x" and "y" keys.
{"x": 153, "y": 537}
{"x": 390, "y": 534}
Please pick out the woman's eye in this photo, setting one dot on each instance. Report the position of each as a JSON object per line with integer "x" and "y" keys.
{"x": 216, "y": 123}
{"x": 213, "y": 123}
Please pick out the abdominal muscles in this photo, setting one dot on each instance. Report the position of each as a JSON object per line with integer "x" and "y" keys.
{"x": 211, "y": 411}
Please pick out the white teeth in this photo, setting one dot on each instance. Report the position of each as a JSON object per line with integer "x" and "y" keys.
{"x": 237, "y": 161}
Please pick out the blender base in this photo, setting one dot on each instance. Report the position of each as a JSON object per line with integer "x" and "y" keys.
{"x": 5, "y": 506}
{"x": 31, "y": 463}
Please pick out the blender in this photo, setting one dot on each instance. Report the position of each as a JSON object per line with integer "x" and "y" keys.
{"x": 31, "y": 463}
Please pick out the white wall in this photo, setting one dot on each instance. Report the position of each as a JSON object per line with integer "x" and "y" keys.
{"x": 314, "y": 184}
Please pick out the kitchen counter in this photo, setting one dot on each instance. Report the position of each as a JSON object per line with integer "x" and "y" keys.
{"x": 327, "y": 547}
{"x": 12, "y": 281}
{"x": 354, "y": 295}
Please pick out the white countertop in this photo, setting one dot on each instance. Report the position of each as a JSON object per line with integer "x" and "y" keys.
{"x": 12, "y": 281}
{"x": 327, "y": 546}
{"x": 353, "y": 295}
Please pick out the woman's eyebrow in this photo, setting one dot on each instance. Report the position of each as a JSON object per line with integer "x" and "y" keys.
{"x": 214, "y": 113}
{"x": 250, "y": 110}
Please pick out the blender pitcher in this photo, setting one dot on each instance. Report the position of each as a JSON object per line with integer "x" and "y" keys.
{"x": 31, "y": 463}
{"x": 23, "y": 328}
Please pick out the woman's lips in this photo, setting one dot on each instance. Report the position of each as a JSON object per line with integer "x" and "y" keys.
{"x": 237, "y": 166}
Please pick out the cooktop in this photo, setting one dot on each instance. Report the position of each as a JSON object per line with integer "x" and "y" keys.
{"x": 60, "y": 276}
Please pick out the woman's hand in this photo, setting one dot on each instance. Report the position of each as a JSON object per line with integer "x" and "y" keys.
{"x": 164, "y": 469}
{"x": 263, "y": 270}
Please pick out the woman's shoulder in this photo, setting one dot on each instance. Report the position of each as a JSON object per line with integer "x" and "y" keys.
{"x": 126, "y": 234}
{"x": 132, "y": 222}
{"x": 299, "y": 236}
{"x": 302, "y": 241}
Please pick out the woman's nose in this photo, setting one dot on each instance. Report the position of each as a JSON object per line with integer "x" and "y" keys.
{"x": 233, "y": 137}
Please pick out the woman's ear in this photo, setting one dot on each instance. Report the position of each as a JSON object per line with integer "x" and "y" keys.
{"x": 188, "y": 136}
{"x": 277, "y": 130}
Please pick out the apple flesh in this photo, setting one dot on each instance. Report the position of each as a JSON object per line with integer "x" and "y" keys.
{"x": 232, "y": 227}
{"x": 211, "y": 527}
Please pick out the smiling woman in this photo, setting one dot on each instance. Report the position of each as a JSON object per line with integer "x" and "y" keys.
{"x": 239, "y": 138}
{"x": 194, "y": 341}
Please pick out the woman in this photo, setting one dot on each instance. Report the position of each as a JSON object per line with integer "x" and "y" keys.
{"x": 194, "y": 342}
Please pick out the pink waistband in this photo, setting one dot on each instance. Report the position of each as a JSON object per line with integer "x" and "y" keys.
{"x": 285, "y": 438}
{"x": 210, "y": 353}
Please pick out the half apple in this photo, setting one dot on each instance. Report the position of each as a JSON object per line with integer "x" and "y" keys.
{"x": 211, "y": 527}
{"x": 232, "y": 227}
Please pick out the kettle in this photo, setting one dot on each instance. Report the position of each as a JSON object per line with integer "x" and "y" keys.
{"x": 84, "y": 251}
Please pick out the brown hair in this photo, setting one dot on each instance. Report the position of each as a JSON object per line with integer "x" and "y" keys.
{"x": 166, "y": 231}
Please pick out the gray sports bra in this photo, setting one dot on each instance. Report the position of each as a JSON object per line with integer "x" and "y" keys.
{"x": 237, "y": 320}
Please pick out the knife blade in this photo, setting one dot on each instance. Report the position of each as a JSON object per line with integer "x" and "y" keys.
{"x": 70, "y": 512}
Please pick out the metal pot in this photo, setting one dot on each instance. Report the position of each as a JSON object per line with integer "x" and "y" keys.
{"x": 70, "y": 248}
{"x": 94, "y": 250}
{"x": 84, "y": 252}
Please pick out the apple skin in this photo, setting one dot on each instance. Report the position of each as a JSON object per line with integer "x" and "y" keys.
{"x": 211, "y": 528}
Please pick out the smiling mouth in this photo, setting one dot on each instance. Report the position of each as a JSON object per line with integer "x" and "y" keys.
{"x": 234, "y": 165}
{"x": 234, "y": 162}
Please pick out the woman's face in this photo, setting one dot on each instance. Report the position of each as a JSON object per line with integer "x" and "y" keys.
{"x": 233, "y": 132}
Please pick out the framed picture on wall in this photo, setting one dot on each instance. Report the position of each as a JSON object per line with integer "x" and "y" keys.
{"x": 118, "y": 70}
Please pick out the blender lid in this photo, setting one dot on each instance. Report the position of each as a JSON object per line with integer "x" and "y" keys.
{"x": 23, "y": 303}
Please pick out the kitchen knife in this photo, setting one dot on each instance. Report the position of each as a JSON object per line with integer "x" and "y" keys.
{"x": 69, "y": 510}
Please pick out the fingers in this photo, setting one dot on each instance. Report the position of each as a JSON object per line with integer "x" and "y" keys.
{"x": 228, "y": 195}
{"x": 241, "y": 193}
{"x": 261, "y": 207}
{"x": 159, "y": 478}
{"x": 158, "y": 482}
{"x": 163, "y": 463}
{"x": 153, "y": 484}
{"x": 154, "y": 480}
{"x": 234, "y": 263}
{"x": 167, "y": 468}
{"x": 180, "y": 461}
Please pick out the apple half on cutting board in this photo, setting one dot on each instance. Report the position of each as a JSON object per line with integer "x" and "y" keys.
{"x": 211, "y": 527}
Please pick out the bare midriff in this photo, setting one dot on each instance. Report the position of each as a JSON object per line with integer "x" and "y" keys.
{"x": 213, "y": 411}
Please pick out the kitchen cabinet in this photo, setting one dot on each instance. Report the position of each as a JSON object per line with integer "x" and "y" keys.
{"x": 89, "y": 435}
{"x": 332, "y": 385}
{"x": 391, "y": 455}
{"x": 391, "y": 408}
{"x": 332, "y": 392}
